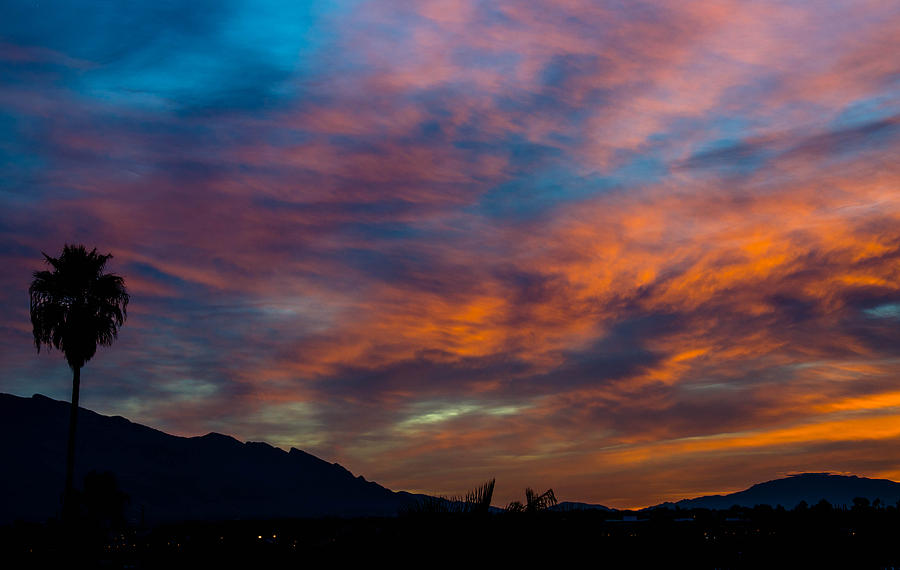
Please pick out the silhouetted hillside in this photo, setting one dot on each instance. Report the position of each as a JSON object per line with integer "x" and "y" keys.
{"x": 568, "y": 506}
{"x": 167, "y": 477}
{"x": 839, "y": 490}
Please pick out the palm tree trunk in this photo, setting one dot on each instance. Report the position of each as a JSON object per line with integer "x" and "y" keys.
{"x": 68, "y": 505}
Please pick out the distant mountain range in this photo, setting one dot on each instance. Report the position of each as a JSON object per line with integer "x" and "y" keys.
{"x": 839, "y": 490}
{"x": 216, "y": 477}
{"x": 567, "y": 506}
{"x": 168, "y": 477}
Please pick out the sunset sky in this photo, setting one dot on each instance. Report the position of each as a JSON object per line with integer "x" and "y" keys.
{"x": 631, "y": 251}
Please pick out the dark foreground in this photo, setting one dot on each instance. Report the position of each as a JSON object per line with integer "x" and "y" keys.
{"x": 862, "y": 537}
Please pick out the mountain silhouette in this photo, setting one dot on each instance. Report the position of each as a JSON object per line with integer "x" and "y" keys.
{"x": 839, "y": 490}
{"x": 171, "y": 478}
{"x": 568, "y": 506}
{"x": 216, "y": 477}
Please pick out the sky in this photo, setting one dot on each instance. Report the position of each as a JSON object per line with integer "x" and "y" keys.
{"x": 632, "y": 251}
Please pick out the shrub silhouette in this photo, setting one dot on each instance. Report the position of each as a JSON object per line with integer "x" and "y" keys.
{"x": 102, "y": 502}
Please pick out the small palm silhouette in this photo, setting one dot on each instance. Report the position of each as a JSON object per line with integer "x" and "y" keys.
{"x": 75, "y": 307}
{"x": 533, "y": 502}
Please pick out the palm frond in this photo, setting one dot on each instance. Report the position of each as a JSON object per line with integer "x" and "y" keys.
{"x": 77, "y": 306}
{"x": 533, "y": 502}
{"x": 515, "y": 507}
{"x": 475, "y": 501}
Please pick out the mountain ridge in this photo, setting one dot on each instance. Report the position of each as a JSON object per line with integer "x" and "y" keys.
{"x": 838, "y": 490}
{"x": 216, "y": 476}
{"x": 168, "y": 477}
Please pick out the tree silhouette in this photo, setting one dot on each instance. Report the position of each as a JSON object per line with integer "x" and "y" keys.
{"x": 75, "y": 307}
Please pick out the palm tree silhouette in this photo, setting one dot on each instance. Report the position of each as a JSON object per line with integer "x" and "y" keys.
{"x": 75, "y": 307}
{"x": 533, "y": 502}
